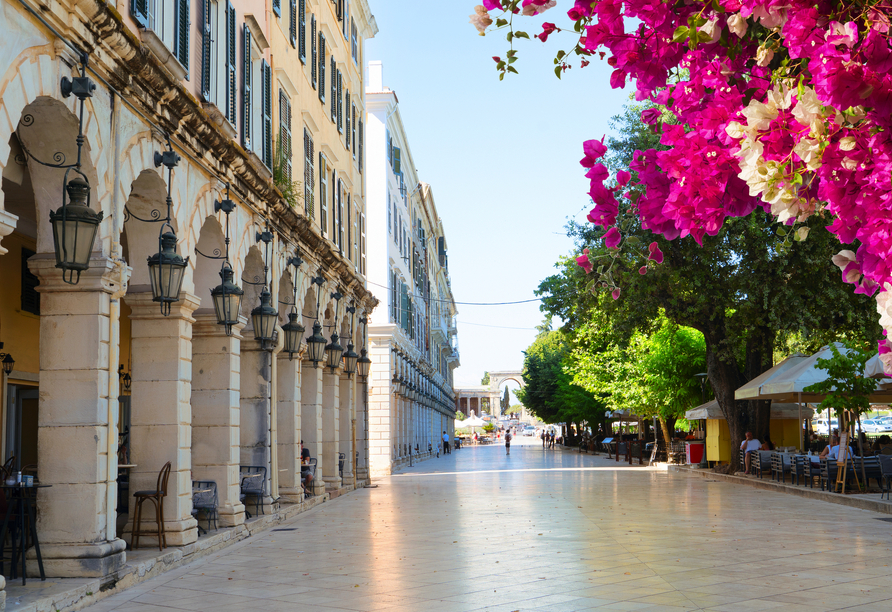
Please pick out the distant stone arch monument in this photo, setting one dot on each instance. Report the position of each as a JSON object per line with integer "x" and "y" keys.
{"x": 486, "y": 398}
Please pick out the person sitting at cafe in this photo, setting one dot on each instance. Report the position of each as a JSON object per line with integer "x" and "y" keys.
{"x": 880, "y": 442}
{"x": 306, "y": 475}
{"x": 767, "y": 445}
{"x": 831, "y": 451}
{"x": 749, "y": 445}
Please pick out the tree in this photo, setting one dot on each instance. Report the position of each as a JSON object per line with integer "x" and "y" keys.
{"x": 485, "y": 380}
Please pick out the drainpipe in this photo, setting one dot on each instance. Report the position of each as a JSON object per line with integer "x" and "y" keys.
{"x": 274, "y": 380}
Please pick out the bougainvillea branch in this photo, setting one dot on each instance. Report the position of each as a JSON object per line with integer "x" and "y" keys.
{"x": 779, "y": 104}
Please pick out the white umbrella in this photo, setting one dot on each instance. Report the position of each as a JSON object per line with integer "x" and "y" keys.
{"x": 753, "y": 389}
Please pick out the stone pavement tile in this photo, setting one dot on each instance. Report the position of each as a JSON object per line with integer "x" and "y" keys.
{"x": 872, "y": 607}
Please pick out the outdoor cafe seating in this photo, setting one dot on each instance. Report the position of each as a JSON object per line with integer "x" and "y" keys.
{"x": 204, "y": 502}
{"x": 253, "y": 484}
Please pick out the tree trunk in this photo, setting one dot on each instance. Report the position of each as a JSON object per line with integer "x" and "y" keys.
{"x": 668, "y": 427}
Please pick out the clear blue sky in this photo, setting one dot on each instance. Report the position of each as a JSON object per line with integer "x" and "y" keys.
{"x": 502, "y": 158}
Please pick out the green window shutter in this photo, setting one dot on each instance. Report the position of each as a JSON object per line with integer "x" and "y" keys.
{"x": 396, "y": 160}
{"x": 230, "y": 63}
{"x": 139, "y": 9}
{"x": 302, "y": 29}
{"x": 347, "y": 122}
{"x": 266, "y": 82}
{"x": 277, "y": 7}
{"x": 285, "y": 132}
{"x": 292, "y": 24}
{"x": 322, "y": 67}
{"x": 309, "y": 173}
{"x": 247, "y": 78}
{"x": 340, "y": 103}
{"x": 334, "y": 89}
{"x": 353, "y": 130}
{"x": 181, "y": 43}
{"x": 313, "y": 50}
{"x": 361, "y": 133}
{"x": 206, "y": 50}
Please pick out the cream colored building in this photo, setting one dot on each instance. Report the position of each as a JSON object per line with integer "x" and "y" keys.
{"x": 263, "y": 101}
{"x": 412, "y": 334}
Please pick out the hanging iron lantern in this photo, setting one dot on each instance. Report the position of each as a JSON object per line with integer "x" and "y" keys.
{"x": 294, "y": 334}
{"x": 264, "y": 318}
{"x": 227, "y": 298}
{"x": 350, "y": 359}
{"x": 316, "y": 345}
{"x": 166, "y": 272}
{"x": 333, "y": 353}
{"x": 364, "y": 364}
{"x": 7, "y": 361}
{"x": 75, "y": 226}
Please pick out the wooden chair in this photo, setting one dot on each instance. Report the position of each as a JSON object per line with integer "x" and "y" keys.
{"x": 798, "y": 469}
{"x": 829, "y": 469}
{"x": 157, "y": 498}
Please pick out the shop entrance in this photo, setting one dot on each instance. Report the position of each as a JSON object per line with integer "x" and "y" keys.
{"x": 21, "y": 427}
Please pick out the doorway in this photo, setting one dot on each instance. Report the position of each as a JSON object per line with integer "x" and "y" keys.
{"x": 21, "y": 425}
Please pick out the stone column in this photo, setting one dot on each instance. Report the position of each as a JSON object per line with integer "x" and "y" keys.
{"x": 346, "y": 412}
{"x": 362, "y": 431}
{"x": 311, "y": 418}
{"x": 380, "y": 406}
{"x": 216, "y": 385}
{"x": 161, "y": 413}
{"x": 254, "y": 437}
{"x": 288, "y": 427}
{"x": 73, "y": 425}
{"x": 330, "y": 429}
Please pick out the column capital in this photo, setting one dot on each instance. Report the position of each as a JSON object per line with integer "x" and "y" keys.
{"x": 7, "y": 225}
{"x": 206, "y": 324}
{"x": 143, "y": 307}
{"x": 104, "y": 274}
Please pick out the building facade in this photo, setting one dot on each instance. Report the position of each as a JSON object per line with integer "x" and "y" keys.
{"x": 412, "y": 334}
{"x": 234, "y": 128}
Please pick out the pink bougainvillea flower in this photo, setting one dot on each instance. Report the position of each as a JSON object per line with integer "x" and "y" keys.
{"x": 534, "y": 7}
{"x": 642, "y": 270}
{"x": 615, "y": 293}
{"x": 481, "y": 20}
{"x": 655, "y": 253}
{"x": 493, "y": 5}
{"x": 594, "y": 150}
{"x": 612, "y": 238}
{"x": 623, "y": 178}
{"x": 583, "y": 262}
{"x": 651, "y": 115}
{"x": 547, "y": 30}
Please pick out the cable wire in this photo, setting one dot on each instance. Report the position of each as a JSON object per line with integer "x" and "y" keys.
{"x": 421, "y": 297}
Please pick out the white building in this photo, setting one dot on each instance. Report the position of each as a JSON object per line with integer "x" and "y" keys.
{"x": 411, "y": 333}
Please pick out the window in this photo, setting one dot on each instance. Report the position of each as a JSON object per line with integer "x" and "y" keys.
{"x": 285, "y": 132}
{"x": 362, "y": 243}
{"x": 309, "y": 173}
{"x": 277, "y": 7}
{"x": 345, "y": 27}
{"x": 389, "y": 215}
{"x": 334, "y": 206}
{"x": 314, "y": 62}
{"x": 207, "y": 47}
{"x": 323, "y": 194}
{"x": 334, "y": 90}
{"x": 347, "y": 122}
{"x": 361, "y": 136}
{"x": 230, "y": 63}
{"x": 394, "y": 297}
{"x": 30, "y": 297}
{"x": 247, "y": 79}
{"x": 302, "y": 29}
{"x": 349, "y": 225}
{"x": 342, "y": 196}
{"x": 353, "y": 129}
{"x": 266, "y": 87}
{"x": 322, "y": 67}
{"x": 181, "y": 33}
{"x": 169, "y": 20}
{"x": 292, "y": 24}
{"x": 354, "y": 41}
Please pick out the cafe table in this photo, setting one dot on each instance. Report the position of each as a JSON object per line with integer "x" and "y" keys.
{"x": 19, "y": 501}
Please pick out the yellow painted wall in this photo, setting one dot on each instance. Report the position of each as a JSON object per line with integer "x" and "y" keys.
{"x": 19, "y": 331}
{"x": 784, "y": 432}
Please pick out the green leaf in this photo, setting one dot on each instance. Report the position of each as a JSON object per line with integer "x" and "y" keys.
{"x": 521, "y": 34}
{"x": 511, "y": 60}
{"x": 557, "y": 71}
{"x": 512, "y": 69}
{"x": 781, "y": 231}
{"x": 561, "y": 54}
{"x": 501, "y": 22}
{"x": 510, "y": 36}
{"x": 681, "y": 34}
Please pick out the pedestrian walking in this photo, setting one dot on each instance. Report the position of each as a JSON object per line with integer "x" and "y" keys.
{"x": 542, "y": 435}
{"x": 508, "y": 442}
{"x": 445, "y": 443}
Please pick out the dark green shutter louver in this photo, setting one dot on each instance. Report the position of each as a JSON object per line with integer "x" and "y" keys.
{"x": 30, "y": 296}
{"x": 246, "y": 89}
{"x": 285, "y": 133}
{"x": 292, "y": 24}
{"x": 361, "y": 132}
{"x": 340, "y": 104}
{"x": 396, "y": 161}
{"x": 353, "y": 131}
{"x": 206, "y": 50}
{"x": 277, "y": 7}
{"x": 139, "y": 9}
{"x": 313, "y": 51}
{"x": 231, "y": 77}
{"x": 181, "y": 27}
{"x": 302, "y": 29}
{"x": 334, "y": 89}
{"x": 322, "y": 67}
{"x": 347, "y": 122}
{"x": 309, "y": 174}
{"x": 266, "y": 79}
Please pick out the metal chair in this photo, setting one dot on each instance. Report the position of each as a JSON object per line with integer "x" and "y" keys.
{"x": 253, "y": 484}
{"x": 342, "y": 457}
{"x": 157, "y": 498}
{"x": 886, "y": 474}
{"x": 798, "y": 469}
{"x": 204, "y": 499}
{"x": 829, "y": 470}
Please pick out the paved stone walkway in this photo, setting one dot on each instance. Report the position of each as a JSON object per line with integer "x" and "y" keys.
{"x": 546, "y": 531}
